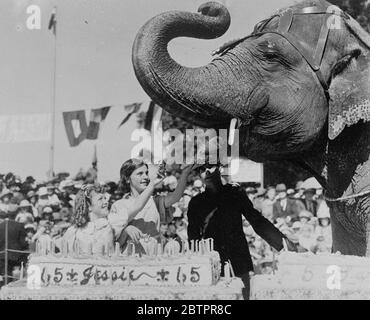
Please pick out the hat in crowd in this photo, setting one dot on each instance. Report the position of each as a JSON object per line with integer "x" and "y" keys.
{"x": 31, "y": 194}
{"x": 42, "y": 191}
{"x": 305, "y": 214}
{"x": 57, "y": 216}
{"x": 298, "y": 185}
{"x": 25, "y": 204}
{"x": 30, "y": 226}
{"x": 66, "y": 184}
{"x": 250, "y": 190}
{"x": 281, "y": 187}
{"x": 5, "y": 192}
{"x": 198, "y": 183}
{"x": 260, "y": 191}
{"x": 290, "y": 191}
{"x": 47, "y": 209}
{"x": 50, "y": 186}
{"x": 294, "y": 238}
{"x": 310, "y": 190}
{"x": 296, "y": 225}
{"x": 323, "y": 214}
{"x": 78, "y": 185}
{"x": 12, "y": 208}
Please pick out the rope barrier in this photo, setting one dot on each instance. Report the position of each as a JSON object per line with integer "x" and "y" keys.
{"x": 19, "y": 251}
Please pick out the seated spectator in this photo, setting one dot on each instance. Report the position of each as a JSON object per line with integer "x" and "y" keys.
{"x": 307, "y": 239}
{"x": 32, "y": 198}
{"x": 321, "y": 246}
{"x": 267, "y": 203}
{"x": 305, "y": 216}
{"x": 324, "y": 228}
{"x": 286, "y": 207}
{"x": 309, "y": 201}
{"x": 25, "y": 212}
{"x": 53, "y": 199}
{"x": 5, "y": 197}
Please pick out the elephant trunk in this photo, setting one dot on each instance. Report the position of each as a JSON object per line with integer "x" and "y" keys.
{"x": 190, "y": 93}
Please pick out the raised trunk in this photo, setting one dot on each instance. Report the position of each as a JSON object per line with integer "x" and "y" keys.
{"x": 186, "y": 92}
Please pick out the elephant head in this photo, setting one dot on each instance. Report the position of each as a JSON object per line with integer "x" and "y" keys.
{"x": 265, "y": 80}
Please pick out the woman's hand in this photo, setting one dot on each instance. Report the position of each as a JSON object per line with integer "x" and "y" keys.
{"x": 134, "y": 233}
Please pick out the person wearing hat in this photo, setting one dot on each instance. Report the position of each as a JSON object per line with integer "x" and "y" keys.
{"x": 25, "y": 212}
{"x": 32, "y": 198}
{"x": 16, "y": 241}
{"x": 268, "y": 203}
{"x": 5, "y": 197}
{"x": 47, "y": 213}
{"x": 305, "y": 216}
{"x": 307, "y": 238}
{"x": 285, "y": 207}
{"x": 324, "y": 227}
{"x": 53, "y": 199}
{"x": 43, "y": 196}
{"x": 197, "y": 187}
{"x": 217, "y": 213}
{"x": 309, "y": 201}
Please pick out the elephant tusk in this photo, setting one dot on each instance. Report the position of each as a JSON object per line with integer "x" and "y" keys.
{"x": 233, "y": 123}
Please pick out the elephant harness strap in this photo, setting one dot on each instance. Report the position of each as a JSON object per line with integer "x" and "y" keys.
{"x": 314, "y": 59}
{"x": 286, "y": 18}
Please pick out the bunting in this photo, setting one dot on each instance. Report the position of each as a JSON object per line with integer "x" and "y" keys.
{"x": 76, "y": 125}
{"x": 53, "y": 21}
{"x": 130, "y": 109}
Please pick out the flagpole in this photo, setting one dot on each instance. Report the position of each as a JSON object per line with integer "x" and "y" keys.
{"x": 53, "y": 94}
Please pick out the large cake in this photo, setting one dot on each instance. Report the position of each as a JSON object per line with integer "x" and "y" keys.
{"x": 314, "y": 276}
{"x": 162, "y": 273}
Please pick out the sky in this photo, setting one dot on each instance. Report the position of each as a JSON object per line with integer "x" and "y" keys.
{"x": 93, "y": 69}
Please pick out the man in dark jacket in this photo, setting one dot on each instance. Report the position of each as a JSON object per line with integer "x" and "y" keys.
{"x": 285, "y": 207}
{"x": 16, "y": 241}
{"x": 217, "y": 213}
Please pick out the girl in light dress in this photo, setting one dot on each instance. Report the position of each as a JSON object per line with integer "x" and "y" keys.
{"x": 90, "y": 227}
{"x": 138, "y": 215}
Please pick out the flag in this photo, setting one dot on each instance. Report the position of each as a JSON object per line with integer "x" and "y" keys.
{"x": 53, "y": 21}
{"x": 94, "y": 161}
{"x": 97, "y": 116}
{"x": 76, "y": 126}
{"x": 131, "y": 109}
{"x": 25, "y": 128}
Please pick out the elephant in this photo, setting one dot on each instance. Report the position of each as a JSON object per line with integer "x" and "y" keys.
{"x": 298, "y": 86}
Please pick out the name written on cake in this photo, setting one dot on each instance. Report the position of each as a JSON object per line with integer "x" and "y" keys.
{"x": 59, "y": 274}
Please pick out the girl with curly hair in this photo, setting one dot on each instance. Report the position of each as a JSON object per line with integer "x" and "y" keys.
{"x": 138, "y": 214}
{"x": 90, "y": 226}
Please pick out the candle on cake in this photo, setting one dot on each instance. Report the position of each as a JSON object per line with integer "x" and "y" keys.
{"x": 227, "y": 272}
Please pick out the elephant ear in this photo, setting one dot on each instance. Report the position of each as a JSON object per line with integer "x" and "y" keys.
{"x": 350, "y": 91}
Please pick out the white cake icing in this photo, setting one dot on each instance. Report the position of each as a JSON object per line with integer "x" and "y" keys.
{"x": 190, "y": 268}
{"x": 223, "y": 290}
{"x": 310, "y": 276}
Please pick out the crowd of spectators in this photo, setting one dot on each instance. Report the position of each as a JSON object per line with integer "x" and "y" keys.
{"x": 45, "y": 211}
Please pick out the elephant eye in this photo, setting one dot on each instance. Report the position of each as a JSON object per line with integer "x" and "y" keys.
{"x": 271, "y": 55}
